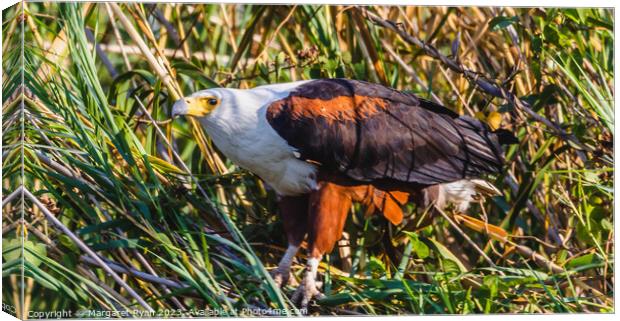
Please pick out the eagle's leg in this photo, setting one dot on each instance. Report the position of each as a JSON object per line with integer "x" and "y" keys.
{"x": 327, "y": 214}
{"x": 282, "y": 275}
{"x": 294, "y": 214}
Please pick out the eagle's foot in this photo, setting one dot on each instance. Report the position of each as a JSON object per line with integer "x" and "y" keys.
{"x": 283, "y": 278}
{"x": 308, "y": 290}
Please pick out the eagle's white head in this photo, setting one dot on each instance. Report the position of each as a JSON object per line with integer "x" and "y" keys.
{"x": 229, "y": 116}
{"x": 204, "y": 103}
{"x": 224, "y": 113}
{"x": 236, "y": 122}
{"x": 237, "y": 102}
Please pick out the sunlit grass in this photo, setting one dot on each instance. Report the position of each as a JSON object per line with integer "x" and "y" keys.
{"x": 159, "y": 198}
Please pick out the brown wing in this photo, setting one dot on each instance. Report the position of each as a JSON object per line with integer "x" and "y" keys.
{"x": 372, "y": 133}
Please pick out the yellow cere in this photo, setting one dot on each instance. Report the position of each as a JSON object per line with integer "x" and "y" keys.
{"x": 201, "y": 106}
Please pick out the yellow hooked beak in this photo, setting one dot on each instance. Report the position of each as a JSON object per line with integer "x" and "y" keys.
{"x": 194, "y": 106}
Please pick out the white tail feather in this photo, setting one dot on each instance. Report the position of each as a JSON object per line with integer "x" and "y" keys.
{"x": 461, "y": 193}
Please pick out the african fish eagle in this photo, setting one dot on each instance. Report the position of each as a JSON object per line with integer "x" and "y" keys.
{"x": 323, "y": 144}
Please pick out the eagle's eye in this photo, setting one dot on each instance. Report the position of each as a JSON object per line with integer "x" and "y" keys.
{"x": 212, "y": 101}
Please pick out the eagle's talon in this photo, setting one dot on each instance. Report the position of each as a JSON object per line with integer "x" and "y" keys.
{"x": 319, "y": 296}
{"x": 283, "y": 279}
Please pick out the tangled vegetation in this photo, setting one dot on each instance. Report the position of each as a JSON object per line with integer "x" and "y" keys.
{"x": 125, "y": 210}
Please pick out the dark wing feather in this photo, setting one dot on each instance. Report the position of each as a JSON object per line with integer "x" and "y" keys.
{"x": 373, "y": 133}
